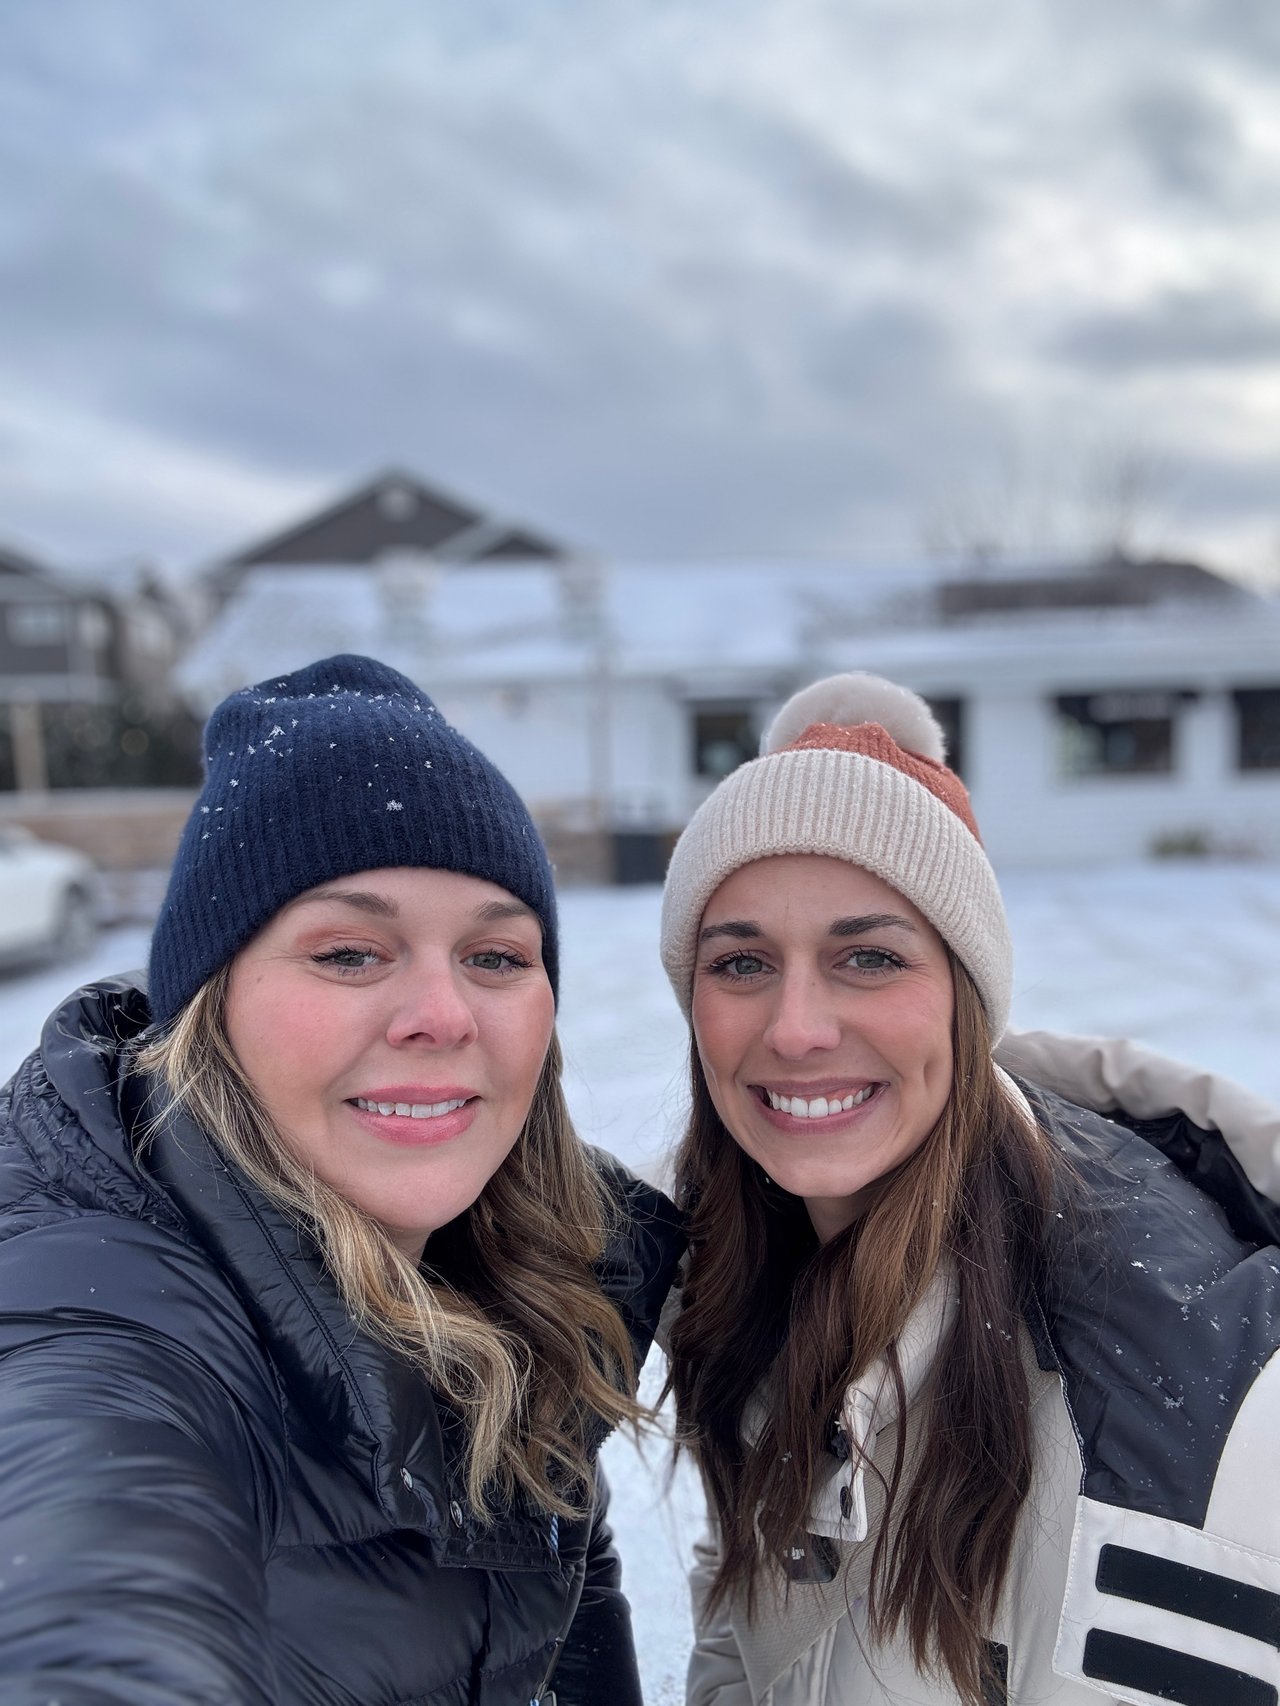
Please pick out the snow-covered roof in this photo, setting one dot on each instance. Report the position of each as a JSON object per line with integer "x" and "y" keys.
{"x": 702, "y": 627}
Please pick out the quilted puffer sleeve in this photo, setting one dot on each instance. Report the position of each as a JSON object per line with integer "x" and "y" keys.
{"x": 1138, "y": 1084}
{"x": 134, "y": 1506}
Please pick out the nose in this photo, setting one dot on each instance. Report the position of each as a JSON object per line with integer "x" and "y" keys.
{"x": 432, "y": 1009}
{"x": 803, "y": 1018}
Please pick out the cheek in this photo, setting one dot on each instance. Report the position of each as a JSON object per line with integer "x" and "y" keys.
{"x": 523, "y": 1039}
{"x": 933, "y": 1047}
{"x": 718, "y": 1030}
{"x": 282, "y": 1059}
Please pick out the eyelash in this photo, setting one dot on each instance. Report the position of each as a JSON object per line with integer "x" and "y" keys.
{"x": 341, "y": 959}
{"x": 723, "y": 967}
{"x": 513, "y": 961}
{"x": 351, "y": 960}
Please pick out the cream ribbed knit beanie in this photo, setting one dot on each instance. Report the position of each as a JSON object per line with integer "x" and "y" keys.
{"x": 853, "y": 767}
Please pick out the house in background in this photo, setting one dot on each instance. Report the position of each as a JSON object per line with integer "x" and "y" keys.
{"x": 1098, "y": 711}
{"x": 55, "y": 652}
{"x": 86, "y": 692}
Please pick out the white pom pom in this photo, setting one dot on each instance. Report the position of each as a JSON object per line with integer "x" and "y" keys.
{"x": 848, "y": 700}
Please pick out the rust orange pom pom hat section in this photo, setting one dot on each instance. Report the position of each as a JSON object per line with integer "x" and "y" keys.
{"x": 852, "y": 767}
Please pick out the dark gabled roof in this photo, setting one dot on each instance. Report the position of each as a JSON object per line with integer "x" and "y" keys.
{"x": 393, "y": 512}
{"x": 1116, "y": 583}
{"x": 16, "y": 563}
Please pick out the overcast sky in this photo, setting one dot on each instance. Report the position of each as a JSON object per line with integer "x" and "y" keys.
{"x": 682, "y": 277}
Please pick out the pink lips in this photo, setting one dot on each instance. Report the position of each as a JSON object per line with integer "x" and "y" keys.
{"x": 411, "y": 1131}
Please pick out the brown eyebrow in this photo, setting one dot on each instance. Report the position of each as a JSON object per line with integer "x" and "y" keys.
{"x": 493, "y": 911}
{"x": 869, "y": 921}
{"x": 744, "y": 930}
{"x": 738, "y": 928}
{"x": 361, "y": 899}
{"x": 364, "y": 900}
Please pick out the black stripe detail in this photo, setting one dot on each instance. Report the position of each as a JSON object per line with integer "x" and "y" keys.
{"x": 1170, "y": 1675}
{"x": 1202, "y": 1594}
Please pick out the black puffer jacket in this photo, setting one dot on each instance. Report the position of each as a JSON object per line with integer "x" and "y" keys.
{"x": 213, "y": 1488}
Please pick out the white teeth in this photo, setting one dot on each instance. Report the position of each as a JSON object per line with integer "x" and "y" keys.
{"x": 411, "y": 1110}
{"x": 821, "y": 1107}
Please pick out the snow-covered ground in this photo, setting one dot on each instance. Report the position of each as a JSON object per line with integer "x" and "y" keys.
{"x": 1184, "y": 956}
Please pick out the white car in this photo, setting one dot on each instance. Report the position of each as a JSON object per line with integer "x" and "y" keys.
{"x": 48, "y": 898}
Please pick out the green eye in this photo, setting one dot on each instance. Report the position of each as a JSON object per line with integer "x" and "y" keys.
{"x": 498, "y": 960}
{"x": 873, "y": 960}
{"x": 737, "y": 965}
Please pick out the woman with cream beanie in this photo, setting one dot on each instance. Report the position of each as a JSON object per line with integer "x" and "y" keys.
{"x": 979, "y": 1382}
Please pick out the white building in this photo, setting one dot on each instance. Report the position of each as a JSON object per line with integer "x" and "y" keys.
{"x": 1096, "y": 712}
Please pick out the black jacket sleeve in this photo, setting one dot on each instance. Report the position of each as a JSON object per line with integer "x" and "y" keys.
{"x": 597, "y": 1665}
{"x": 138, "y": 1497}
{"x": 131, "y": 1547}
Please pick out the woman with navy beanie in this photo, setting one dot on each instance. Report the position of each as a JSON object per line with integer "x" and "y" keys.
{"x": 314, "y": 1312}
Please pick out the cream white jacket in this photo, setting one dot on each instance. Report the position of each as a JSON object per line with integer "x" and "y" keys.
{"x": 1073, "y": 1631}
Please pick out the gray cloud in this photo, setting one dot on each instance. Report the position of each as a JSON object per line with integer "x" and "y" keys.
{"x": 1200, "y": 328}
{"x": 689, "y": 277}
{"x": 1187, "y": 138}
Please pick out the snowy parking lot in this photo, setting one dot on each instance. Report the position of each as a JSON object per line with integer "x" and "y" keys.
{"x": 1185, "y": 956}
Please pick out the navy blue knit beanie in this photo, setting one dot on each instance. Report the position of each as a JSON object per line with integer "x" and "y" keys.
{"x": 340, "y": 767}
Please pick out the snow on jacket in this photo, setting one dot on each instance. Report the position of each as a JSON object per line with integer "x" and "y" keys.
{"x": 1146, "y": 1561}
{"x": 214, "y": 1489}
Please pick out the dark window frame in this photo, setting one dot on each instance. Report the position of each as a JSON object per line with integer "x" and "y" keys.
{"x": 1257, "y": 712}
{"x": 740, "y": 730}
{"x": 1119, "y": 732}
{"x": 952, "y": 713}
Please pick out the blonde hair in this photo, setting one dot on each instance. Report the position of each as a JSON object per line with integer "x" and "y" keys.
{"x": 519, "y": 1338}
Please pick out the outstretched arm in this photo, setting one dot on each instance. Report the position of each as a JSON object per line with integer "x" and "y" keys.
{"x": 131, "y": 1549}
{"x": 1112, "y": 1074}
{"x": 1216, "y": 1132}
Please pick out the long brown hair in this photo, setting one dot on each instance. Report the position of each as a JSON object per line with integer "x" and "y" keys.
{"x": 767, "y": 1310}
{"x": 506, "y": 1320}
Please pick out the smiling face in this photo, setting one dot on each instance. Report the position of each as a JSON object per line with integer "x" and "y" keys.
{"x": 822, "y": 1007}
{"x": 394, "y": 1024}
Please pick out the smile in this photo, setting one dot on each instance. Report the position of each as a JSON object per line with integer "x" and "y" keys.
{"x": 411, "y": 1110}
{"x": 817, "y": 1107}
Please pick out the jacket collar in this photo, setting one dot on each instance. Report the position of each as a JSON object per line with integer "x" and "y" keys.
{"x": 839, "y": 1508}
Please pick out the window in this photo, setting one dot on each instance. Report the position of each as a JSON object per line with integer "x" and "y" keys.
{"x": 37, "y": 624}
{"x": 950, "y": 715}
{"x": 1258, "y": 721}
{"x": 1117, "y": 733}
{"x": 724, "y": 736}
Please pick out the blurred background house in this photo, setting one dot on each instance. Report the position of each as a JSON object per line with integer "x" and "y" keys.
{"x": 1098, "y": 710}
{"x": 1102, "y": 709}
